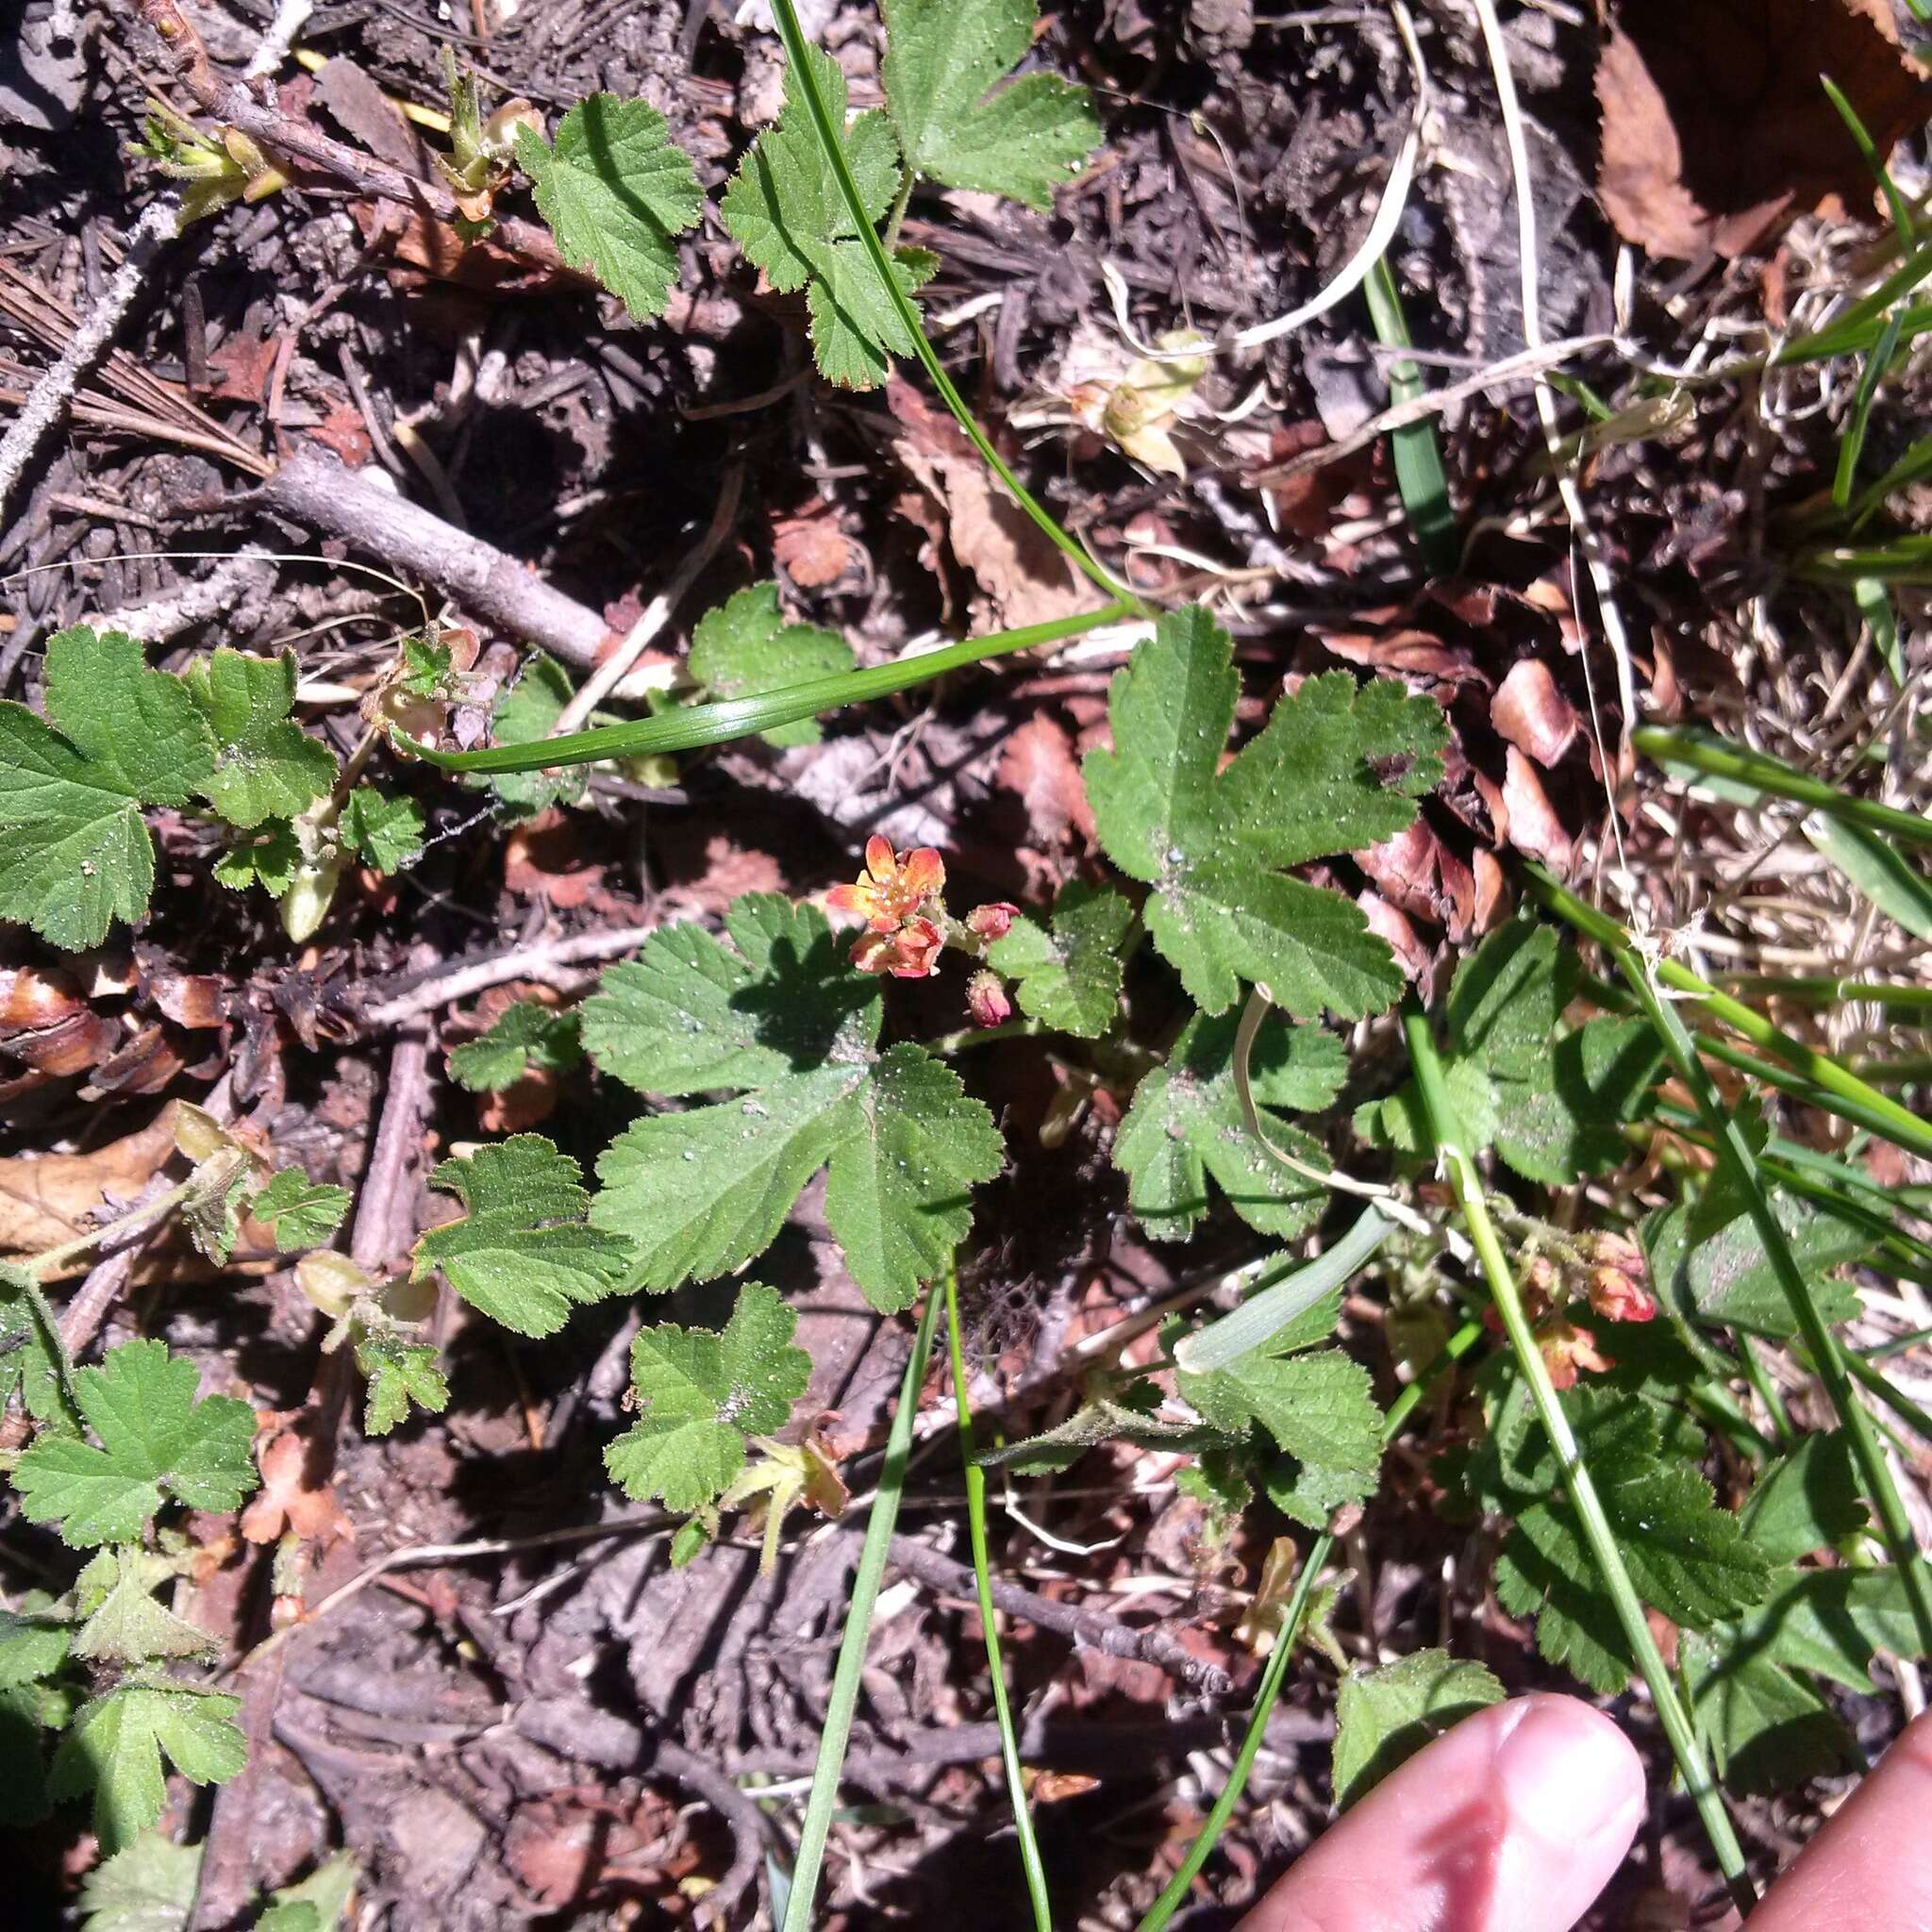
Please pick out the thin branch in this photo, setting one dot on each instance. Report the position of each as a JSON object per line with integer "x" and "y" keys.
{"x": 235, "y": 104}
{"x": 316, "y": 490}
{"x": 547, "y": 961}
{"x": 1089, "y": 1629}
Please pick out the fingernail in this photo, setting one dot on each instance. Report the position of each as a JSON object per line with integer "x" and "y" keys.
{"x": 1568, "y": 1774}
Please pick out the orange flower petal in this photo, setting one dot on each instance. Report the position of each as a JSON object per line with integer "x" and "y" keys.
{"x": 924, "y": 873}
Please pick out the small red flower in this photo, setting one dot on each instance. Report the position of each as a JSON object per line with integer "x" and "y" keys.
{"x": 992, "y": 921}
{"x": 1567, "y": 1350}
{"x": 986, "y": 1001}
{"x": 911, "y": 951}
{"x": 1619, "y": 1297}
{"x": 892, "y": 888}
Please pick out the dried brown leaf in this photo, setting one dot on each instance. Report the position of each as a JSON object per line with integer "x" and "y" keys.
{"x": 1714, "y": 125}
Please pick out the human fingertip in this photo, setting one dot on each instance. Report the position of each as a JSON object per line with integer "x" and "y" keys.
{"x": 1567, "y": 1773}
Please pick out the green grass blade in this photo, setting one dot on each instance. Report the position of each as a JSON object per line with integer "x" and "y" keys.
{"x": 1420, "y": 477}
{"x": 1915, "y": 463}
{"x": 1878, "y": 871}
{"x": 1459, "y": 1169}
{"x": 1164, "y": 1907}
{"x": 1901, "y": 211}
{"x": 1700, "y": 752}
{"x": 989, "y": 1617}
{"x": 718, "y": 724}
{"x": 793, "y": 35}
{"x": 1736, "y": 1153}
{"x": 824, "y": 1797}
{"x": 1268, "y": 1313}
{"x": 1825, "y": 990}
{"x": 1835, "y": 1087}
{"x": 1881, "y": 618}
{"x": 1852, "y": 444}
{"x": 1857, "y": 328}
{"x": 1906, "y": 559}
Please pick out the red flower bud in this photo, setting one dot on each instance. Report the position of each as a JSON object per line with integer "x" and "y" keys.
{"x": 993, "y": 919}
{"x": 986, "y": 1001}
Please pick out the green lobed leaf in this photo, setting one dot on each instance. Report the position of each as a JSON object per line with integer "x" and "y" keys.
{"x": 1185, "y": 1123}
{"x": 117, "y": 1743}
{"x": 429, "y": 670}
{"x": 779, "y": 1020}
{"x": 157, "y": 1442}
{"x": 527, "y": 1038}
{"x": 1552, "y": 1104}
{"x": 1337, "y": 767}
{"x": 1068, "y": 978}
{"x": 1768, "y": 1730}
{"x": 1807, "y": 1499}
{"x": 126, "y": 1625}
{"x": 299, "y": 1212}
{"x": 28, "y": 1362}
{"x": 1318, "y": 1410}
{"x": 400, "y": 1374}
{"x": 1383, "y": 1718}
{"x": 745, "y": 648}
{"x": 1721, "y": 1277}
{"x": 523, "y": 1254}
{"x": 1687, "y": 1558}
{"x": 269, "y": 858}
{"x": 265, "y": 765}
{"x": 75, "y": 850}
{"x": 946, "y": 61}
{"x": 149, "y": 1886}
{"x": 786, "y": 210}
{"x": 700, "y": 1393}
{"x": 689, "y": 1015}
{"x": 385, "y": 831}
{"x": 898, "y": 1193}
{"x": 616, "y": 192}
{"x": 319, "y": 1903}
{"x": 33, "y": 1646}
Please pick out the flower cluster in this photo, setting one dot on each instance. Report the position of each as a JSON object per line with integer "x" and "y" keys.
{"x": 899, "y": 896}
{"x": 1610, "y": 1272}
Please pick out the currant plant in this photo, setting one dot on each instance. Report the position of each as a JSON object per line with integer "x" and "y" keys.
{"x": 1625, "y": 1483}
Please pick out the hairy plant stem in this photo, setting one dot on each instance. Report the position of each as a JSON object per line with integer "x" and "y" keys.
{"x": 162, "y": 1205}
{"x": 836, "y": 1735}
{"x": 718, "y": 724}
{"x": 1163, "y": 1908}
{"x": 830, "y": 140}
{"x": 1736, "y": 1153}
{"x": 989, "y": 1616}
{"x": 1874, "y": 1110}
{"x": 1445, "y": 1129}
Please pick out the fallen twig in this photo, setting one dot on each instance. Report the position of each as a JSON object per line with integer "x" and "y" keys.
{"x": 547, "y": 961}
{"x": 317, "y": 491}
{"x": 1089, "y": 1629}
